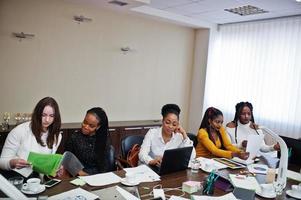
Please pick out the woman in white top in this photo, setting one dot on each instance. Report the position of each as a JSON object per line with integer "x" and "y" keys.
{"x": 170, "y": 136}
{"x": 244, "y": 125}
{"x": 41, "y": 135}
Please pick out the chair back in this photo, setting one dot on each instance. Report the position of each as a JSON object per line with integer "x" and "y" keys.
{"x": 193, "y": 138}
{"x": 128, "y": 142}
{"x": 111, "y": 162}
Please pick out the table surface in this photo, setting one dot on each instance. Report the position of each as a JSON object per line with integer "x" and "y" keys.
{"x": 173, "y": 180}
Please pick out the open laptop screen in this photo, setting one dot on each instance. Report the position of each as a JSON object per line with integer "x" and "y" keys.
{"x": 175, "y": 160}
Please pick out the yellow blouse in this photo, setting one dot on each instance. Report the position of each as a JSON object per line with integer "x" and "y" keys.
{"x": 207, "y": 148}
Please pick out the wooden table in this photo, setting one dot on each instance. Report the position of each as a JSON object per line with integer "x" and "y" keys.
{"x": 173, "y": 180}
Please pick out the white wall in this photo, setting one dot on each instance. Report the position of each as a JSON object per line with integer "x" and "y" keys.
{"x": 81, "y": 65}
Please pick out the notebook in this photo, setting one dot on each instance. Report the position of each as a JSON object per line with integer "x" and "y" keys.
{"x": 174, "y": 160}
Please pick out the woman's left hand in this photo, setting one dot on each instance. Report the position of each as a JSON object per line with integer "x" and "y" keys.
{"x": 180, "y": 129}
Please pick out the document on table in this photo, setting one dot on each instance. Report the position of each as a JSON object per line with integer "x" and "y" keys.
{"x": 101, "y": 179}
{"x": 229, "y": 196}
{"x": 143, "y": 173}
{"x": 212, "y": 164}
{"x": 75, "y": 194}
{"x": 177, "y": 198}
{"x": 245, "y": 182}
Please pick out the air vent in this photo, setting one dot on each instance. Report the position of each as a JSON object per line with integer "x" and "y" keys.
{"x": 246, "y": 10}
{"x": 119, "y": 3}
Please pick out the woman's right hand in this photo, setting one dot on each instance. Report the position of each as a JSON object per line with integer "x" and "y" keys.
{"x": 18, "y": 163}
{"x": 157, "y": 161}
{"x": 241, "y": 155}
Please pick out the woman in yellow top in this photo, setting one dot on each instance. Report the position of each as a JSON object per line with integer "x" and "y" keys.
{"x": 213, "y": 140}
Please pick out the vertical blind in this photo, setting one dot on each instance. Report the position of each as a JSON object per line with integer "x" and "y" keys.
{"x": 259, "y": 62}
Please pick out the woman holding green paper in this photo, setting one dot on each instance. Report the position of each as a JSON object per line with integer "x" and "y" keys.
{"x": 41, "y": 135}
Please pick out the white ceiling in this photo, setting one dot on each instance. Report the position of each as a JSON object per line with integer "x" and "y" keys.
{"x": 202, "y": 13}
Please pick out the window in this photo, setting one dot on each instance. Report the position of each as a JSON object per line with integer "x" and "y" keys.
{"x": 259, "y": 62}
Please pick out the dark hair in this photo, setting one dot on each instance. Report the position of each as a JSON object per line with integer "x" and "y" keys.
{"x": 36, "y": 122}
{"x": 101, "y": 135}
{"x": 170, "y": 108}
{"x": 211, "y": 113}
{"x": 238, "y": 108}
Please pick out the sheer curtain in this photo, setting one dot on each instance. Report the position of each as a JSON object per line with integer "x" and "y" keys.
{"x": 259, "y": 62}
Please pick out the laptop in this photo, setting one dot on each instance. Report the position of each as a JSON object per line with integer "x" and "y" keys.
{"x": 11, "y": 191}
{"x": 174, "y": 160}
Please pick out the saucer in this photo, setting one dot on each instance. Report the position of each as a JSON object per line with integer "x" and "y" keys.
{"x": 269, "y": 195}
{"x": 123, "y": 182}
{"x": 292, "y": 194}
{"x": 41, "y": 189}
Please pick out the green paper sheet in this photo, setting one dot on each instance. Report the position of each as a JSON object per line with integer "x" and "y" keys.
{"x": 47, "y": 164}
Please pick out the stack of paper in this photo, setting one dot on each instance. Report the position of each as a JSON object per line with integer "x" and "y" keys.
{"x": 245, "y": 182}
{"x": 211, "y": 164}
{"x": 77, "y": 193}
{"x": 229, "y": 196}
{"x": 101, "y": 179}
{"x": 143, "y": 173}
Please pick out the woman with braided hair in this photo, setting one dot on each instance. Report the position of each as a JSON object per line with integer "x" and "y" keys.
{"x": 213, "y": 140}
{"x": 90, "y": 144}
{"x": 244, "y": 125}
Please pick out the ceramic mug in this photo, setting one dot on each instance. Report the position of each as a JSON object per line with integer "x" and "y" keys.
{"x": 130, "y": 178}
{"x": 296, "y": 189}
{"x": 32, "y": 184}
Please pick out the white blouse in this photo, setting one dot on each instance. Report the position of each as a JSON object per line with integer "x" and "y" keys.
{"x": 20, "y": 141}
{"x": 153, "y": 145}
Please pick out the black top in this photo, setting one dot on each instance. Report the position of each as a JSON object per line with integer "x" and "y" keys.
{"x": 83, "y": 147}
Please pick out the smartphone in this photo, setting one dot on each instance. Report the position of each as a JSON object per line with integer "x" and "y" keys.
{"x": 52, "y": 182}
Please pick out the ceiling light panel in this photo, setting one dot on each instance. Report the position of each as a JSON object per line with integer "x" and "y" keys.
{"x": 246, "y": 10}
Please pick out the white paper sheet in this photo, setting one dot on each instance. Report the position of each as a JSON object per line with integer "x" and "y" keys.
{"x": 177, "y": 198}
{"x": 246, "y": 182}
{"x": 229, "y": 196}
{"x": 143, "y": 173}
{"x": 26, "y": 171}
{"x": 126, "y": 194}
{"x": 74, "y": 194}
{"x": 253, "y": 145}
{"x": 101, "y": 179}
{"x": 211, "y": 164}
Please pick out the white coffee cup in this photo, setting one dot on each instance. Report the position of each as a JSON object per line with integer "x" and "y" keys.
{"x": 32, "y": 184}
{"x": 130, "y": 178}
{"x": 296, "y": 189}
{"x": 267, "y": 189}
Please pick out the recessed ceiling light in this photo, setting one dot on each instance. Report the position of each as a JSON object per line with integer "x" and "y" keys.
{"x": 298, "y": 0}
{"x": 246, "y": 10}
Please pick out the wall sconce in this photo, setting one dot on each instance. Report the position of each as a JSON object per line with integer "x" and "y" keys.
{"x": 23, "y": 35}
{"x": 81, "y": 18}
{"x": 126, "y": 49}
